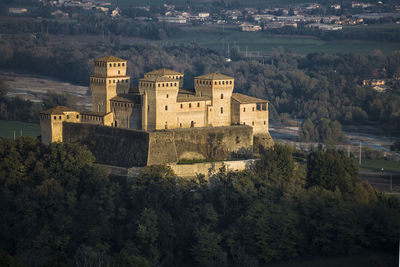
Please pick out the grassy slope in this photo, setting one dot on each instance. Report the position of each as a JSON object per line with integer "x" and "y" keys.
{"x": 7, "y": 129}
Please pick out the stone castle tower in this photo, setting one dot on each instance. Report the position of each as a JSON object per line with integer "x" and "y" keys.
{"x": 219, "y": 87}
{"x": 108, "y": 80}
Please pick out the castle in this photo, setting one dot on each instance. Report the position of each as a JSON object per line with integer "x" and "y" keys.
{"x": 158, "y": 103}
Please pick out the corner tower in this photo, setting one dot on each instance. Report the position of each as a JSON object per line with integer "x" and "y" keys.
{"x": 108, "y": 80}
{"x": 219, "y": 87}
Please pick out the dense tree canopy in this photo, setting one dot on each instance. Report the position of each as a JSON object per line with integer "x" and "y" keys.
{"x": 59, "y": 210}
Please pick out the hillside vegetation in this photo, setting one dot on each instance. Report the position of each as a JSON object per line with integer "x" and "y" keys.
{"x": 60, "y": 210}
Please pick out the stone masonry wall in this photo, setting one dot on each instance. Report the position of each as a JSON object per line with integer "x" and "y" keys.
{"x": 128, "y": 147}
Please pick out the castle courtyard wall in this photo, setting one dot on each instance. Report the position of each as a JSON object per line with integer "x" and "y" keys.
{"x": 129, "y": 147}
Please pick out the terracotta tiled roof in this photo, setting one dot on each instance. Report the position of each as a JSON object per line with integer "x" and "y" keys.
{"x": 215, "y": 76}
{"x": 59, "y": 110}
{"x": 158, "y": 79}
{"x": 163, "y": 71}
{"x": 245, "y": 99}
{"x": 110, "y": 59}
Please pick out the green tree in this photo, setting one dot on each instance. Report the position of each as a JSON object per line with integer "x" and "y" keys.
{"x": 331, "y": 170}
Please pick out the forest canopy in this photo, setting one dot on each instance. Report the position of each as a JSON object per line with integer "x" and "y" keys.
{"x": 58, "y": 209}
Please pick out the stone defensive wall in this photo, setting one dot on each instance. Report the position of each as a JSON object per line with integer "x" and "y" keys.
{"x": 130, "y": 148}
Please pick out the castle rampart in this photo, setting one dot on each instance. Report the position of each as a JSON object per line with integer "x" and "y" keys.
{"x": 129, "y": 148}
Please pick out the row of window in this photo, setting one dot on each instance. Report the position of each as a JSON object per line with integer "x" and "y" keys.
{"x": 259, "y": 107}
{"x": 190, "y": 105}
{"x": 210, "y": 82}
{"x": 60, "y": 117}
{"x": 103, "y": 81}
{"x": 103, "y": 64}
{"x": 159, "y": 85}
{"x": 118, "y": 104}
{"x": 119, "y": 81}
{"x": 252, "y": 123}
{"x": 92, "y": 118}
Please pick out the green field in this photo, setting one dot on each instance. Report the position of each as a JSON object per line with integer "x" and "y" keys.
{"x": 367, "y": 258}
{"x": 7, "y": 129}
{"x": 377, "y": 165}
{"x": 259, "y": 42}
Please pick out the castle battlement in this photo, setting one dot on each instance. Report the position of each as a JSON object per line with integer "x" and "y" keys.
{"x": 159, "y": 103}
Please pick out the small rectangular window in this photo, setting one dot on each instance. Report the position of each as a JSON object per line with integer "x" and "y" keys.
{"x": 166, "y": 107}
{"x": 265, "y": 122}
{"x": 244, "y": 109}
{"x": 198, "y": 105}
{"x": 222, "y": 110}
{"x": 222, "y": 96}
{"x": 167, "y": 95}
{"x": 190, "y": 105}
{"x": 181, "y": 106}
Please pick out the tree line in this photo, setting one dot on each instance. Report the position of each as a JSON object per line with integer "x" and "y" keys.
{"x": 319, "y": 85}
{"x": 58, "y": 209}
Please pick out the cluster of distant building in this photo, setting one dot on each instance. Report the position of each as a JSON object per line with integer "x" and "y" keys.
{"x": 247, "y": 19}
{"x": 106, "y": 7}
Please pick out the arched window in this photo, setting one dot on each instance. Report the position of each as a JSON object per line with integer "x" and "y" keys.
{"x": 222, "y": 110}
{"x": 222, "y": 96}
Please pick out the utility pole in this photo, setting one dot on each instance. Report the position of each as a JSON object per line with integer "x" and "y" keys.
{"x": 359, "y": 156}
{"x": 348, "y": 151}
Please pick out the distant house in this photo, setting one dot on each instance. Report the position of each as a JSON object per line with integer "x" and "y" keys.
{"x": 60, "y": 14}
{"x": 179, "y": 20}
{"x": 204, "y": 15}
{"x": 374, "y": 82}
{"x": 247, "y": 27}
{"x": 324, "y": 27}
{"x": 279, "y": 24}
{"x": 17, "y": 10}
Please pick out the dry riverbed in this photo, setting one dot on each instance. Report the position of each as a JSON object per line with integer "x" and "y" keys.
{"x": 34, "y": 87}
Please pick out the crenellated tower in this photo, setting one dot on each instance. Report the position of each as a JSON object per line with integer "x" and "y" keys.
{"x": 219, "y": 87}
{"x": 159, "y": 102}
{"x": 108, "y": 80}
